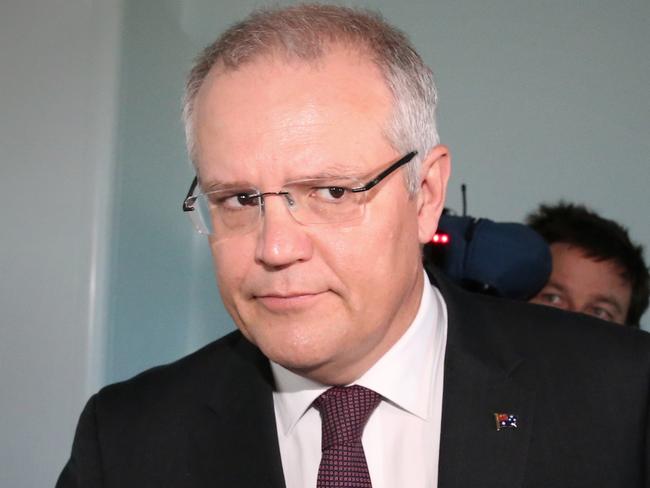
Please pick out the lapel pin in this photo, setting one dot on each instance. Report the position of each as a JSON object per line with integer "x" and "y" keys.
{"x": 505, "y": 420}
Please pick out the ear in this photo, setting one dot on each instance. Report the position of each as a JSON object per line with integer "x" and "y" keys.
{"x": 434, "y": 175}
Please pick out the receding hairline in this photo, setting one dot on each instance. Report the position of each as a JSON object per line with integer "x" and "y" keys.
{"x": 273, "y": 54}
{"x": 314, "y": 25}
{"x": 370, "y": 90}
{"x": 274, "y": 31}
{"x": 362, "y": 52}
{"x": 226, "y": 61}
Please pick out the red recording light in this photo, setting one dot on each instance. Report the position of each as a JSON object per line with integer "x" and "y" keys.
{"x": 440, "y": 238}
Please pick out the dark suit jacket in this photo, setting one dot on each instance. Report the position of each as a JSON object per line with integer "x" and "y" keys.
{"x": 578, "y": 386}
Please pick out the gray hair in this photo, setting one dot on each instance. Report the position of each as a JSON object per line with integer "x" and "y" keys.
{"x": 304, "y": 32}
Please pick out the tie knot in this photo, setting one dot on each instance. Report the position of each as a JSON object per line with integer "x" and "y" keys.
{"x": 344, "y": 412}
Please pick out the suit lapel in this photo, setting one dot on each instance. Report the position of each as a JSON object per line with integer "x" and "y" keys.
{"x": 472, "y": 451}
{"x": 482, "y": 377}
{"x": 249, "y": 456}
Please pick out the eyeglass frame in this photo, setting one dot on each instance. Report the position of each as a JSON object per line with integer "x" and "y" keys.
{"x": 190, "y": 198}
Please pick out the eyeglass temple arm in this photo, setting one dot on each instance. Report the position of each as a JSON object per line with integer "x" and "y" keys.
{"x": 188, "y": 203}
{"x": 386, "y": 172}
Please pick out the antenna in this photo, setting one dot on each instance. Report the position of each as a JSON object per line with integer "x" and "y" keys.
{"x": 463, "y": 192}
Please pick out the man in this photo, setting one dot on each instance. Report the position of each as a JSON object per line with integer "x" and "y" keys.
{"x": 320, "y": 175}
{"x": 597, "y": 269}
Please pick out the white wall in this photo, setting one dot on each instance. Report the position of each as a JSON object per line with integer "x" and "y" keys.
{"x": 57, "y": 98}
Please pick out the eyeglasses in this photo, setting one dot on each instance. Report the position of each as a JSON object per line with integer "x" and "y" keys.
{"x": 236, "y": 211}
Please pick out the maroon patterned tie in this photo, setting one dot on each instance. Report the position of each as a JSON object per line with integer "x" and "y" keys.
{"x": 344, "y": 412}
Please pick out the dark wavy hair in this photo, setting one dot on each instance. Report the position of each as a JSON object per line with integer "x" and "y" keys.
{"x": 601, "y": 239}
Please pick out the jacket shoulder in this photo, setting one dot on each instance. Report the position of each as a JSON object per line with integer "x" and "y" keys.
{"x": 487, "y": 325}
{"x": 188, "y": 379}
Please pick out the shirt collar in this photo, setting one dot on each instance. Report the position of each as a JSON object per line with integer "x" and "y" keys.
{"x": 403, "y": 375}
{"x": 294, "y": 394}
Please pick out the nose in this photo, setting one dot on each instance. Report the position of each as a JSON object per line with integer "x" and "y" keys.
{"x": 282, "y": 241}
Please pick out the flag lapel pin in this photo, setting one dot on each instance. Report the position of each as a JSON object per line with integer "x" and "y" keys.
{"x": 505, "y": 421}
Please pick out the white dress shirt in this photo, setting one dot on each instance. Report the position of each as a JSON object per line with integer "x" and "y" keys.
{"x": 402, "y": 437}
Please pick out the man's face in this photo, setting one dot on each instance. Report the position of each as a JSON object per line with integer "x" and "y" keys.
{"x": 582, "y": 284}
{"x": 326, "y": 300}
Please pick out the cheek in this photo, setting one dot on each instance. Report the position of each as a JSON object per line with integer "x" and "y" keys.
{"x": 231, "y": 261}
{"x": 351, "y": 253}
{"x": 393, "y": 239}
{"x": 374, "y": 252}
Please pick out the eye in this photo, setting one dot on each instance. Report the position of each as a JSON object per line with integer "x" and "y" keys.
{"x": 330, "y": 193}
{"x": 237, "y": 200}
{"x": 550, "y": 298}
{"x": 601, "y": 313}
{"x": 247, "y": 200}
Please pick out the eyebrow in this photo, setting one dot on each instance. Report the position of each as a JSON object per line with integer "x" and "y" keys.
{"x": 216, "y": 185}
{"x": 557, "y": 286}
{"x": 334, "y": 171}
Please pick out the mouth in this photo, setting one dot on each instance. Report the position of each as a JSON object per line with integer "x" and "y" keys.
{"x": 288, "y": 302}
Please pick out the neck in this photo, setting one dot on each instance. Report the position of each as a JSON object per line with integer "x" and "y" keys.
{"x": 346, "y": 372}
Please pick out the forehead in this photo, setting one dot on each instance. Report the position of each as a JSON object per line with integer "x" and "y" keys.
{"x": 281, "y": 114}
{"x": 587, "y": 276}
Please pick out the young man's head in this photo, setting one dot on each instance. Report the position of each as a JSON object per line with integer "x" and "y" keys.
{"x": 597, "y": 269}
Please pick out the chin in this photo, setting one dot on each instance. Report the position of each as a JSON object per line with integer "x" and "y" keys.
{"x": 299, "y": 362}
{"x": 300, "y": 353}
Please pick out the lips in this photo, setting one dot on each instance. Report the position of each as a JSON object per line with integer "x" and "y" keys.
{"x": 286, "y": 302}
